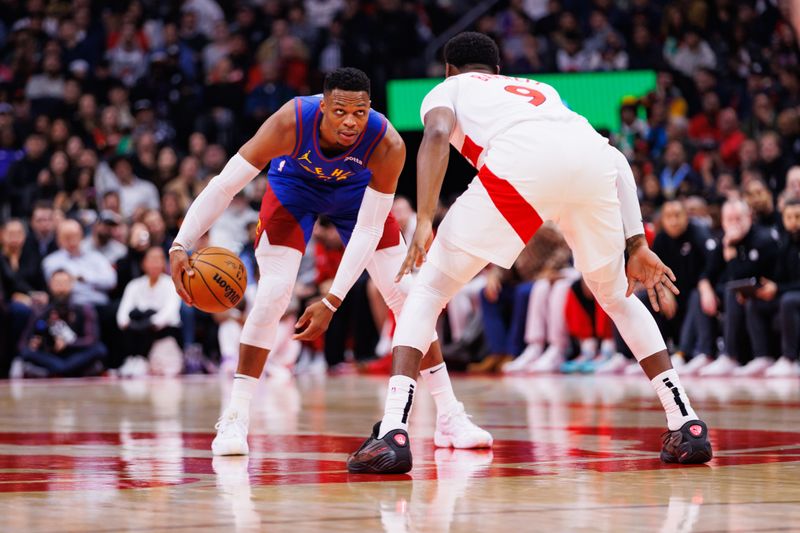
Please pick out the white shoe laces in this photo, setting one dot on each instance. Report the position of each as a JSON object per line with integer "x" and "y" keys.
{"x": 459, "y": 419}
{"x": 231, "y": 423}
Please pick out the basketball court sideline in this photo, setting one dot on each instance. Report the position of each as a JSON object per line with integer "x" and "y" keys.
{"x": 570, "y": 453}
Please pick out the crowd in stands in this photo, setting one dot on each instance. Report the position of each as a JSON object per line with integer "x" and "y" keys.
{"x": 115, "y": 115}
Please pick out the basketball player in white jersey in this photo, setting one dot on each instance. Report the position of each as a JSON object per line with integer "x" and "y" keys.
{"x": 536, "y": 161}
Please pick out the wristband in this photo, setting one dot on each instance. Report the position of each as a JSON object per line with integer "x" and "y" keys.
{"x": 176, "y": 247}
{"x": 329, "y": 305}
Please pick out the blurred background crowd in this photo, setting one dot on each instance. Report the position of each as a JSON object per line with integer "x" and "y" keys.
{"x": 115, "y": 115}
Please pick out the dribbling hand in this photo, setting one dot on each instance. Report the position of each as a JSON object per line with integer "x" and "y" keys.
{"x": 178, "y": 264}
{"x": 645, "y": 267}
{"x": 417, "y": 249}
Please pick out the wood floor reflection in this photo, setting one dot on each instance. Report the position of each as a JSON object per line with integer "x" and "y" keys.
{"x": 570, "y": 454}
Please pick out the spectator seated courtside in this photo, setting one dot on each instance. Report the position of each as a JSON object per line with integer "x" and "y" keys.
{"x": 63, "y": 338}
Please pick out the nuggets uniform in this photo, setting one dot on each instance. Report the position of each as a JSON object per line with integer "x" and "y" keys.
{"x": 536, "y": 161}
{"x": 306, "y": 183}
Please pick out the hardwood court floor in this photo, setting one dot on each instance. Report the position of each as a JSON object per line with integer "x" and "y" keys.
{"x": 570, "y": 454}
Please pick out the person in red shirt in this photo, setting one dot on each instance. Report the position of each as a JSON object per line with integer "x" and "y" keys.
{"x": 731, "y": 137}
{"x": 704, "y": 126}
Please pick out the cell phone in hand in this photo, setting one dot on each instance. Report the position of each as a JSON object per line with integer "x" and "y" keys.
{"x": 746, "y": 287}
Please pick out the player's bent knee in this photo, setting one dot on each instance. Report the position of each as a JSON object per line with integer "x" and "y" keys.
{"x": 273, "y": 297}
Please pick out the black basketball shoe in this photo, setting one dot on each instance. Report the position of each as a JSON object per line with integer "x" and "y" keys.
{"x": 688, "y": 445}
{"x": 388, "y": 455}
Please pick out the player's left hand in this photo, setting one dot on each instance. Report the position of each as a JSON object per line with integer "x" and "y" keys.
{"x": 417, "y": 249}
{"x": 313, "y": 323}
{"x": 645, "y": 267}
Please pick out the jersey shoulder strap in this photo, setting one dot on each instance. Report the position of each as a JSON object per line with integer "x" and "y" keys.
{"x": 377, "y": 124}
{"x": 305, "y": 110}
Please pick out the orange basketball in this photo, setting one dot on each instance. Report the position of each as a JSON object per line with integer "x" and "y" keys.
{"x": 219, "y": 279}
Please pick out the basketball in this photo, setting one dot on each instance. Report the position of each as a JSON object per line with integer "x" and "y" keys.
{"x": 219, "y": 281}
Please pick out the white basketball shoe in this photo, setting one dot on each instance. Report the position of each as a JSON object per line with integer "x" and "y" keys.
{"x": 456, "y": 430}
{"x": 231, "y": 436}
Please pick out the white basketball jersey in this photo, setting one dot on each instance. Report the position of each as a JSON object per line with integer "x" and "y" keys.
{"x": 486, "y": 105}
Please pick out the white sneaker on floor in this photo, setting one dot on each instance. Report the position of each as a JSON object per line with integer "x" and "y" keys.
{"x": 528, "y": 356}
{"x": 548, "y": 362}
{"x": 783, "y": 368}
{"x": 616, "y": 364}
{"x": 677, "y": 361}
{"x": 723, "y": 366}
{"x": 318, "y": 364}
{"x": 756, "y": 367}
{"x": 695, "y": 364}
{"x": 277, "y": 371}
{"x": 17, "y": 370}
{"x": 633, "y": 369}
{"x": 456, "y": 430}
{"x": 231, "y": 436}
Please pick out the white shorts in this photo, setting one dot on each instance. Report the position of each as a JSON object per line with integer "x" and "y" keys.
{"x": 567, "y": 176}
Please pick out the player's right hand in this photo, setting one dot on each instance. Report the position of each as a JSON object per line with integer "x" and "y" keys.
{"x": 417, "y": 249}
{"x": 178, "y": 264}
{"x": 646, "y": 268}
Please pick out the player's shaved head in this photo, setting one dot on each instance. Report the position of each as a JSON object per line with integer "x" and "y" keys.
{"x": 346, "y": 79}
{"x": 472, "y": 49}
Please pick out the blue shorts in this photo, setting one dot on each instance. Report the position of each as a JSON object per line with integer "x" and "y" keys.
{"x": 291, "y": 206}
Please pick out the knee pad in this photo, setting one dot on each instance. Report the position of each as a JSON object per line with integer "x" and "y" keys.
{"x": 382, "y": 268}
{"x": 429, "y": 294}
{"x": 278, "y": 266}
{"x": 261, "y": 327}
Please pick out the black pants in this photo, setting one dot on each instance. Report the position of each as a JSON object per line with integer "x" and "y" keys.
{"x": 698, "y": 330}
{"x": 140, "y": 342}
{"x": 734, "y": 330}
{"x": 70, "y": 362}
{"x": 760, "y": 316}
{"x": 110, "y": 333}
{"x": 352, "y": 320}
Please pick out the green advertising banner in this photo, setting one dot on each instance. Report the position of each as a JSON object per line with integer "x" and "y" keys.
{"x": 595, "y": 95}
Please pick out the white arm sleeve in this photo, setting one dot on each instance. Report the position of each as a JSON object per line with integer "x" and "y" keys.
{"x": 210, "y": 203}
{"x": 367, "y": 233}
{"x": 628, "y": 198}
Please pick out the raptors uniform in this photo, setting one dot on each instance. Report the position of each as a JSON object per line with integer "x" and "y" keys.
{"x": 536, "y": 161}
{"x": 307, "y": 183}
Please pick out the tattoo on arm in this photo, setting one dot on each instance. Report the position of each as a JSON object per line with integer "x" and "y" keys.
{"x": 634, "y": 243}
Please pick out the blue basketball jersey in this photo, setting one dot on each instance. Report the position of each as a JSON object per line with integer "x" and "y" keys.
{"x": 308, "y": 162}
{"x": 306, "y": 183}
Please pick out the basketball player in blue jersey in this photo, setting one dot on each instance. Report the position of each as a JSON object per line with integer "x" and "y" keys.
{"x": 330, "y": 155}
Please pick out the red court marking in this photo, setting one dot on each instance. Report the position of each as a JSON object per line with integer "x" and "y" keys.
{"x": 614, "y": 449}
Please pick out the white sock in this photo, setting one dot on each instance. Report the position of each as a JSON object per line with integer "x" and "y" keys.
{"x": 673, "y": 398}
{"x": 398, "y": 404}
{"x": 243, "y": 388}
{"x": 437, "y": 380}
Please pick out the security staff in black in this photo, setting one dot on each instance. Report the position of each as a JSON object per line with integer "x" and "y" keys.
{"x": 779, "y": 295}
{"x": 748, "y": 251}
{"x": 684, "y": 246}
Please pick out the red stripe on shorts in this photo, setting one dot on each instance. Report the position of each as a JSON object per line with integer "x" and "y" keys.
{"x": 280, "y": 225}
{"x": 518, "y": 212}
{"x": 471, "y": 151}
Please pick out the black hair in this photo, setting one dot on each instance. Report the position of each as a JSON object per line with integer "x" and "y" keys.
{"x": 791, "y": 202}
{"x": 62, "y": 271}
{"x": 346, "y": 79}
{"x": 472, "y": 48}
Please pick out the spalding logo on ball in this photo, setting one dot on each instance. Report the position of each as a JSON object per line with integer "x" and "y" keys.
{"x": 219, "y": 279}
